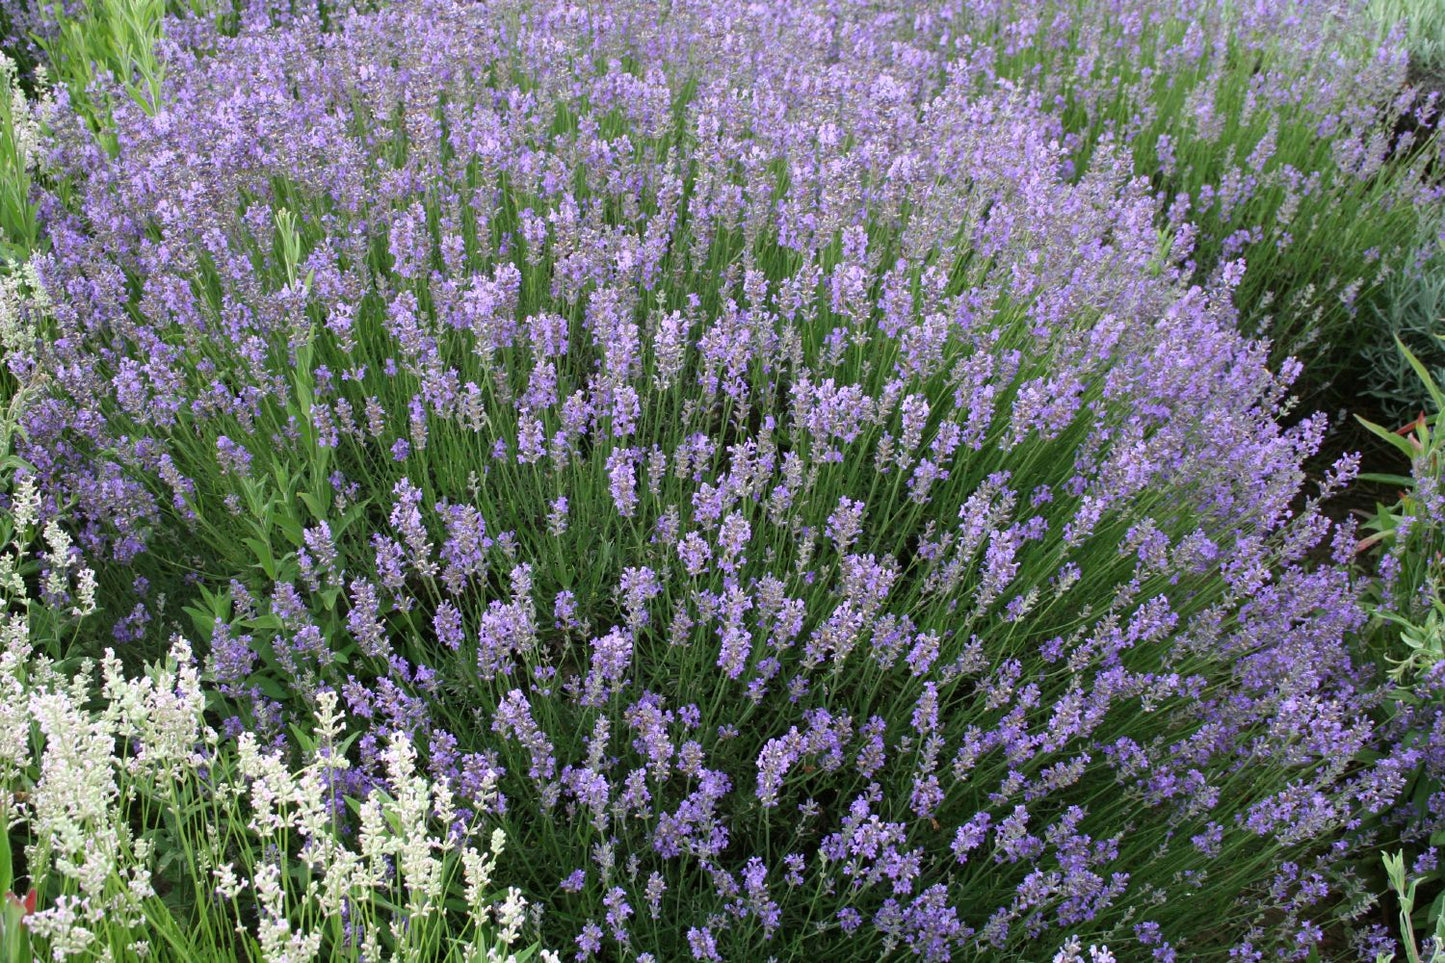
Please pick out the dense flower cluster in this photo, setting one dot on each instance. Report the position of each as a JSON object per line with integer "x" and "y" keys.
{"x": 107, "y": 762}
{"x": 769, "y": 444}
{"x": 1268, "y": 131}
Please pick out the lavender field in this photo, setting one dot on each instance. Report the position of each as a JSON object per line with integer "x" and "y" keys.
{"x": 697, "y": 480}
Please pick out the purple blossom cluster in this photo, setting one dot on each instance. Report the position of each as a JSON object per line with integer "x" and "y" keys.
{"x": 754, "y": 438}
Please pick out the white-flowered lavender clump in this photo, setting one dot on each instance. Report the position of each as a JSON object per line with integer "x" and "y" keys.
{"x": 88, "y": 767}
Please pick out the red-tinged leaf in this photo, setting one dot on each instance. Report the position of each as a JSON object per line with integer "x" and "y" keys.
{"x": 26, "y": 905}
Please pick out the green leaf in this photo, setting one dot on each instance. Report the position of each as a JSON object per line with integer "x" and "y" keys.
{"x": 1403, "y": 481}
{"x": 264, "y": 559}
{"x": 202, "y": 619}
{"x": 266, "y": 621}
{"x": 270, "y": 687}
{"x": 1399, "y": 442}
{"x": 292, "y": 528}
{"x": 7, "y": 868}
{"x": 316, "y": 504}
{"x": 1435, "y": 394}
{"x": 305, "y": 740}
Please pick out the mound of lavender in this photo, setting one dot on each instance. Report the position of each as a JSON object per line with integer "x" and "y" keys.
{"x": 822, "y": 508}
{"x": 1286, "y": 133}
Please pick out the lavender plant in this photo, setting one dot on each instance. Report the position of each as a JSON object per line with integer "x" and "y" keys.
{"x": 1414, "y": 315}
{"x": 18, "y": 229}
{"x": 1290, "y": 135}
{"x": 1406, "y": 890}
{"x": 1425, "y": 24}
{"x": 1409, "y": 534}
{"x": 148, "y": 837}
{"x": 1408, "y": 607}
{"x": 758, "y": 457}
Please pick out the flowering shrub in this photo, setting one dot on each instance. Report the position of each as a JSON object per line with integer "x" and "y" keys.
{"x": 1409, "y": 609}
{"x": 1409, "y": 532}
{"x": 1268, "y": 131}
{"x": 762, "y": 458}
{"x": 17, "y": 160}
{"x": 1425, "y": 29}
{"x": 1415, "y": 317}
{"x": 150, "y": 837}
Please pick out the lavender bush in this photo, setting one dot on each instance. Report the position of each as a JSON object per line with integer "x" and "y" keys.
{"x": 788, "y": 472}
{"x": 145, "y": 835}
{"x": 1408, "y": 607}
{"x": 1268, "y": 132}
{"x": 1414, "y": 315}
